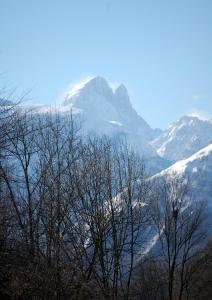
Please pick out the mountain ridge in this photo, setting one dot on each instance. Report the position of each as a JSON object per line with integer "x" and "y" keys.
{"x": 183, "y": 138}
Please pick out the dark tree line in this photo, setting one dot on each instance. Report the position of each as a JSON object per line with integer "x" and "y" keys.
{"x": 76, "y": 214}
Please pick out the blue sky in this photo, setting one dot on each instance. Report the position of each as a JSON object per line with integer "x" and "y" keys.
{"x": 160, "y": 49}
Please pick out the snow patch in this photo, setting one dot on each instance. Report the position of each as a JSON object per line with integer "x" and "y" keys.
{"x": 116, "y": 123}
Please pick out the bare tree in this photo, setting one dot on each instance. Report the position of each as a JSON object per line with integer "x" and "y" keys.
{"x": 58, "y": 146}
{"x": 76, "y": 212}
{"x": 108, "y": 215}
{"x": 178, "y": 221}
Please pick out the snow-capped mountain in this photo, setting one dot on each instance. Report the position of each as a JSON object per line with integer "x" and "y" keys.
{"x": 198, "y": 169}
{"x": 183, "y": 138}
{"x": 107, "y": 111}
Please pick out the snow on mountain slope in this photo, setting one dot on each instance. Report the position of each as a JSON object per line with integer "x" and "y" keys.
{"x": 100, "y": 104}
{"x": 202, "y": 157}
{"x": 183, "y": 138}
{"x": 107, "y": 111}
{"x": 198, "y": 168}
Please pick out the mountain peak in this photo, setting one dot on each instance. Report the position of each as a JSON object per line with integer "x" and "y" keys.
{"x": 102, "y": 106}
{"x": 96, "y": 85}
{"x": 121, "y": 97}
{"x": 97, "y": 82}
{"x": 121, "y": 91}
{"x": 183, "y": 138}
{"x": 121, "y": 88}
{"x": 188, "y": 118}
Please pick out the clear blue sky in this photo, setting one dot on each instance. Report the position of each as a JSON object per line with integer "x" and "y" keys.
{"x": 160, "y": 49}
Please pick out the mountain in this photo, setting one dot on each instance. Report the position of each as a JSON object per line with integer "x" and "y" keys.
{"x": 198, "y": 168}
{"x": 183, "y": 138}
{"x": 107, "y": 111}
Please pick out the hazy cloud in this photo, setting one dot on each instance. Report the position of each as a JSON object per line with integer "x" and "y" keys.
{"x": 201, "y": 114}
